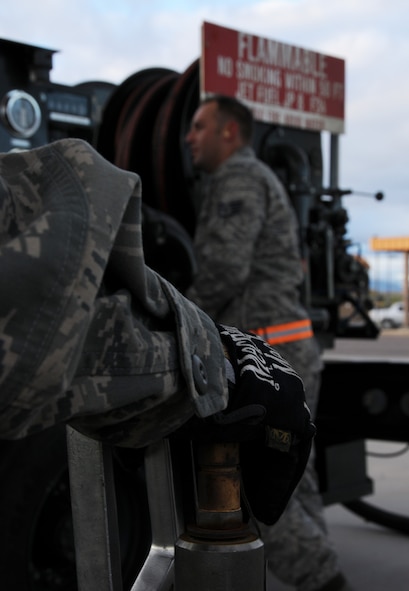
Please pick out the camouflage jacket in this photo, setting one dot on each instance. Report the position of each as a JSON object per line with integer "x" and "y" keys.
{"x": 247, "y": 248}
{"x": 88, "y": 333}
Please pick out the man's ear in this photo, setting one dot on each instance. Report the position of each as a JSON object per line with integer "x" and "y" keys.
{"x": 231, "y": 130}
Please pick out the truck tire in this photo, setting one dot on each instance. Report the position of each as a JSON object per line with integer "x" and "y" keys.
{"x": 36, "y": 538}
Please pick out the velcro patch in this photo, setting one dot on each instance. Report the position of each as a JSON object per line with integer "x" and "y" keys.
{"x": 229, "y": 209}
{"x": 278, "y": 439}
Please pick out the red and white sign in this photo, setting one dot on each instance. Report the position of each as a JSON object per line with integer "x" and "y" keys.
{"x": 280, "y": 83}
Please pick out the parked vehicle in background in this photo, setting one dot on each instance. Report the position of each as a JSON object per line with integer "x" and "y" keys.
{"x": 391, "y": 317}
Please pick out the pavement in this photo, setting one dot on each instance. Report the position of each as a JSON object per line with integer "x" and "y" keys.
{"x": 372, "y": 557}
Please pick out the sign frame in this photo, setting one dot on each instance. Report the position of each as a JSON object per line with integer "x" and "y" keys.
{"x": 281, "y": 83}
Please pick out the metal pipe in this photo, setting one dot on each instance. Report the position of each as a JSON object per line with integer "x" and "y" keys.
{"x": 218, "y": 486}
{"x": 334, "y": 161}
{"x": 219, "y": 552}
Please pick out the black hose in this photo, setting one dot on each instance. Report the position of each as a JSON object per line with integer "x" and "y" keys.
{"x": 387, "y": 519}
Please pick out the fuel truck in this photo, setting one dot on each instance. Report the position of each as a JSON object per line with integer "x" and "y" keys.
{"x": 140, "y": 125}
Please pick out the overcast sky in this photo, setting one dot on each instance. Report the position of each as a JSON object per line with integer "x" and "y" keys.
{"x": 101, "y": 40}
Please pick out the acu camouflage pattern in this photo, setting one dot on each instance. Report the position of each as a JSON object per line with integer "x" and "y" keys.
{"x": 249, "y": 275}
{"x": 88, "y": 333}
{"x": 247, "y": 248}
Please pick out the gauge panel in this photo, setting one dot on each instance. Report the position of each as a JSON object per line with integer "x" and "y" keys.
{"x": 21, "y": 113}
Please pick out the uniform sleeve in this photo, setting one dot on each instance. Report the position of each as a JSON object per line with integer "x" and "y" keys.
{"x": 88, "y": 333}
{"x": 150, "y": 372}
{"x": 225, "y": 238}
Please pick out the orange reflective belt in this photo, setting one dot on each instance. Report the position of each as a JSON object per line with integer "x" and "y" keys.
{"x": 285, "y": 333}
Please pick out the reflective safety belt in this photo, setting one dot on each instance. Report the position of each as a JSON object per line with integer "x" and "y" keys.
{"x": 285, "y": 333}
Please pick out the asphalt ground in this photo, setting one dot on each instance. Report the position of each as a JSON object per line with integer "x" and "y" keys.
{"x": 373, "y": 557}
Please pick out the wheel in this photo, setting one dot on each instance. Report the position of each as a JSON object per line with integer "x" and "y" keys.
{"x": 36, "y": 537}
{"x": 387, "y": 323}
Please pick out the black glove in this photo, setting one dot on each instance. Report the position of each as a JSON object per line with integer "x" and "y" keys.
{"x": 264, "y": 390}
{"x": 268, "y": 414}
{"x": 268, "y": 401}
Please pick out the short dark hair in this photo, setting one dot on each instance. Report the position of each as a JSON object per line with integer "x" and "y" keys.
{"x": 231, "y": 108}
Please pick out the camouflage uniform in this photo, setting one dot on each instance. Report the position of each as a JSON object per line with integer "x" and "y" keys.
{"x": 88, "y": 333}
{"x": 249, "y": 274}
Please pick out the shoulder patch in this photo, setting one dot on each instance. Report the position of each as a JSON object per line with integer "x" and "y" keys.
{"x": 226, "y": 210}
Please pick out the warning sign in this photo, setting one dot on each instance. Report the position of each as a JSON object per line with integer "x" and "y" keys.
{"x": 281, "y": 83}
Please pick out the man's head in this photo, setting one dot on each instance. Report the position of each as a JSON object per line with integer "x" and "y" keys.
{"x": 220, "y": 126}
